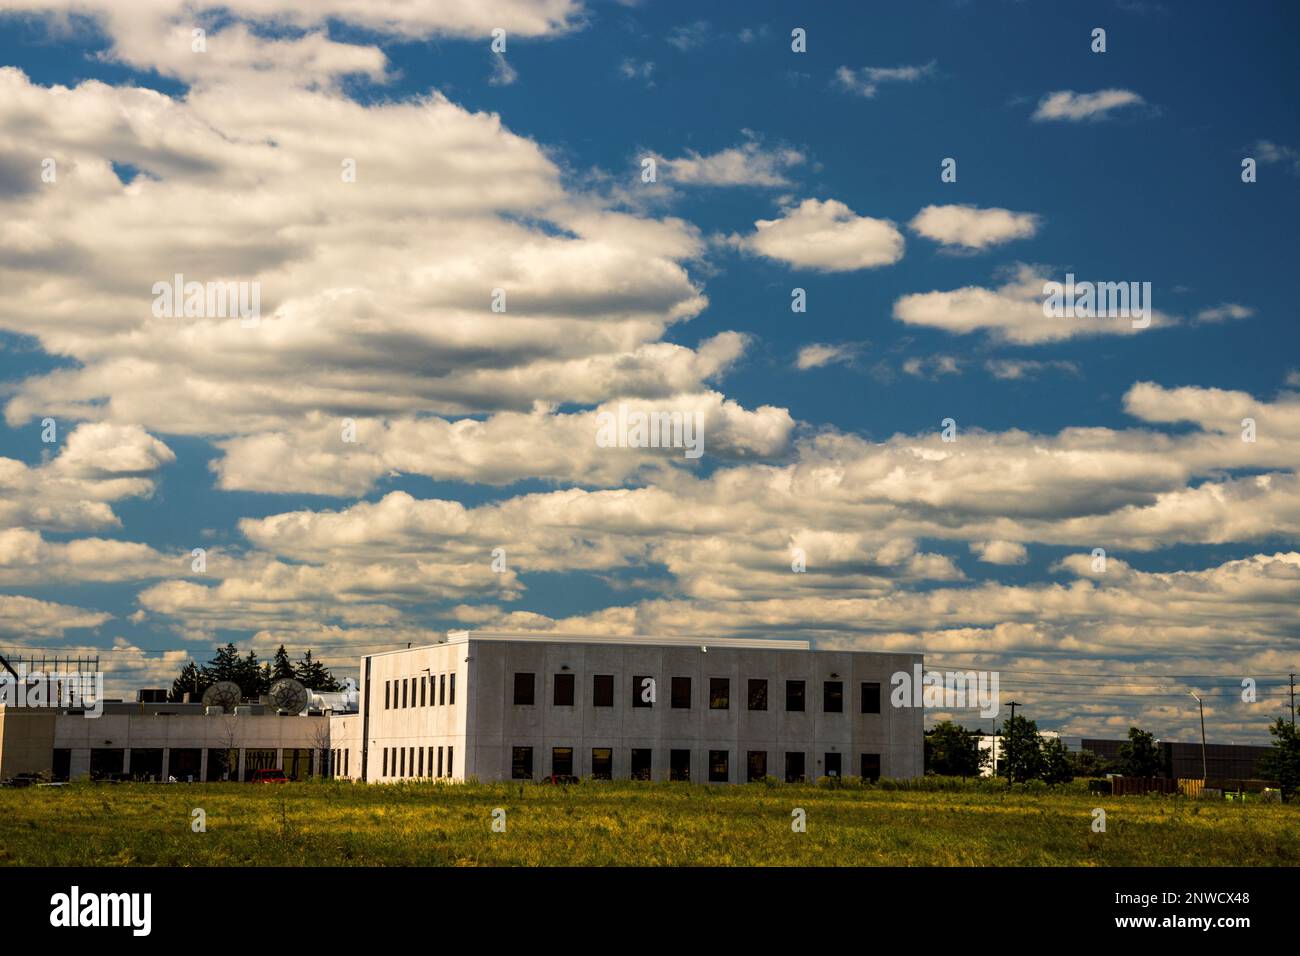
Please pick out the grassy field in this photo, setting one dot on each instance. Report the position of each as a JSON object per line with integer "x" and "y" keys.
{"x": 429, "y": 824}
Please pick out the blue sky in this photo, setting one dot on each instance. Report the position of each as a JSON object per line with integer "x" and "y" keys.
{"x": 899, "y": 554}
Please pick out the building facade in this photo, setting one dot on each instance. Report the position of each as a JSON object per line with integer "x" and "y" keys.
{"x": 500, "y": 706}
{"x": 157, "y": 741}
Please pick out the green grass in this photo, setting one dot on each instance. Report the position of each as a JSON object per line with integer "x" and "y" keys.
{"x": 591, "y": 824}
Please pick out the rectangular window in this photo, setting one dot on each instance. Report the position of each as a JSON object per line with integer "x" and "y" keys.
{"x": 401, "y": 772}
{"x": 640, "y": 764}
{"x": 563, "y": 690}
{"x": 388, "y": 691}
{"x": 411, "y": 766}
{"x": 424, "y": 687}
{"x": 442, "y": 689}
{"x": 562, "y": 761}
{"x": 440, "y": 761}
{"x": 404, "y": 692}
{"x": 346, "y": 753}
{"x": 832, "y": 764}
{"x": 719, "y": 693}
{"x": 421, "y": 773}
{"x": 756, "y": 765}
{"x": 794, "y": 767}
{"x": 451, "y": 761}
{"x": 794, "y": 695}
{"x": 718, "y": 766}
{"x": 602, "y": 763}
{"x": 870, "y": 698}
{"x": 681, "y": 693}
{"x": 833, "y": 697}
{"x": 385, "y": 773}
{"x": 602, "y": 690}
{"x": 521, "y": 763}
{"x": 871, "y": 767}
{"x": 679, "y": 765}
{"x": 643, "y": 691}
{"x": 757, "y": 694}
{"x": 451, "y": 698}
{"x": 524, "y": 684}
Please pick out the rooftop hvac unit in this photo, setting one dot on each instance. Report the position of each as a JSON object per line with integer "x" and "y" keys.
{"x": 151, "y": 695}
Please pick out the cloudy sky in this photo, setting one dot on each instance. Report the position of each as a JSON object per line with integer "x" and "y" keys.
{"x": 461, "y": 263}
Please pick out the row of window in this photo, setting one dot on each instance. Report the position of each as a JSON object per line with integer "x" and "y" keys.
{"x": 409, "y": 762}
{"x": 644, "y": 693}
{"x": 428, "y": 690}
{"x": 339, "y": 762}
{"x": 679, "y": 764}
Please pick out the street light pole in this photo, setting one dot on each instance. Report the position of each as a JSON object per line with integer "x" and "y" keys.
{"x": 1204, "y": 774}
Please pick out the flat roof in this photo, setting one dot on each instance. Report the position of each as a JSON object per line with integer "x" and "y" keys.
{"x": 551, "y": 637}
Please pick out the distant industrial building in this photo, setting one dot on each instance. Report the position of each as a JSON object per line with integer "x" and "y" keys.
{"x": 1183, "y": 760}
{"x": 501, "y": 706}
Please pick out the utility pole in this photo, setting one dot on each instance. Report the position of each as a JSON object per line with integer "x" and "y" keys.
{"x": 1013, "y": 704}
{"x": 1204, "y": 773}
{"x": 1293, "y": 700}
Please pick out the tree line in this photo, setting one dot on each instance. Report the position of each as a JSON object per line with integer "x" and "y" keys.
{"x": 952, "y": 750}
{"x": 254, "y": 677}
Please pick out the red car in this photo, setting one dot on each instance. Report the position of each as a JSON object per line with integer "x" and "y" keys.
{"x": 267, "y": 775}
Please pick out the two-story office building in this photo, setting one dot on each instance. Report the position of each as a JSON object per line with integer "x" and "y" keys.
{"x": 500, "y": 706}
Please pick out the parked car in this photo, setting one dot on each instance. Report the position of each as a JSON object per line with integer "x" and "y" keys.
{"x": 269, "y": 775}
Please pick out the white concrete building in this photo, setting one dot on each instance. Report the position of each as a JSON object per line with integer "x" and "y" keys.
{"x": 500, "y": 706}
{"x": 155, "y": 741}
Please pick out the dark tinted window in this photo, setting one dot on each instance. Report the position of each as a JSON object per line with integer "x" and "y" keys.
{"x": 756, "y": 765}
{"x": 562, "y": 761}
{"x": 679, "y": 765}
{"x": 524, "y": 690}
{"x": 793, "y": 767}
{"x": 833, "y": 697}
{"x": 871, "y": 766}
{"x": 757, "y": 694}
{"x": 602, "y": 690}
{"x": 681, "y": 692}
{"x": 602, "y": 763}
{"x": 640, "y": 764}
{"x": 719, "y": 693}
{"x": 794, "y": 694}
{"x": 563, "y": 690}
{"x": 521, "y": 763}
{"x": 870, "y": 698}
{"x": 643, "y": 691}
{"x": 718, "y": 766}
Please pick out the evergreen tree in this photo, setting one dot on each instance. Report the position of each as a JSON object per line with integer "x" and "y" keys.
{"x": 224, "y": 666}
{"x": 192, "y": 681}
{"x": 314, "y": 675}
{"x": 253, "y": 677}
{"x": 250, "y": 677}
{"x": 281, "y": 666}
